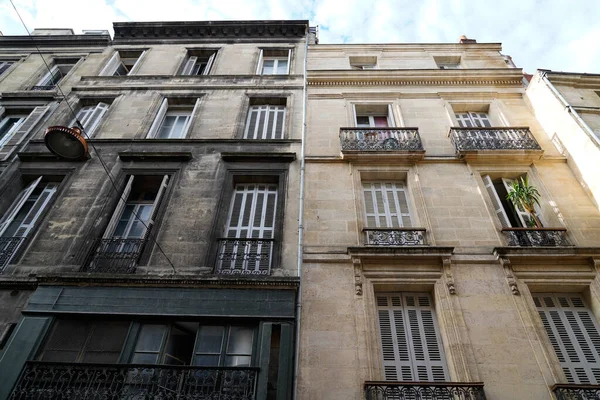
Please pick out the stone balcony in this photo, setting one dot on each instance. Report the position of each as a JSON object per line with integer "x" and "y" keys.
{"x": 511, "y": 143}
{"x": 381, "y": 144}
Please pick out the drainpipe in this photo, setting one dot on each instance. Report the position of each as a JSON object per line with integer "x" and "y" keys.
{"x": 542, "y": 75}
{"x": 300, "y": 224}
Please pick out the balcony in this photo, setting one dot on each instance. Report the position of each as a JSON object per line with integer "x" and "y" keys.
{"x": 43, "y": 87}
{"x": 389, "y": 143}
{"x": 117, "y": 256}
{"x": 536, "y": 237}
{"x": 576, "y": 392}
{"x": 43, "y": 380}
{"x": 424, "y": 391}
{"x": 243, "y": 256}
{"x": 9, "y": 249}
{"x": 495, "y": 143}
{"x": 395, "y": 237}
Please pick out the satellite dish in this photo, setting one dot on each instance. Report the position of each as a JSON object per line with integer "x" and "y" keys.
{"x": 66, "y": 143}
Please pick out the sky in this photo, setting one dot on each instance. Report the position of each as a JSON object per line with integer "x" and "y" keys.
{"x": 561, "y": 35}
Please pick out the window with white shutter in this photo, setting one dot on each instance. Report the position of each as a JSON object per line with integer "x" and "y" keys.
{"x": 411, "y": 345}
{"x": 386, "y": 205}
{"x": 265, "y": 122}
{"x": 274, "y": 62}
{"x": 574, "y": 334}
{"x": 198, "y": 62}
{"x": 173, "y": 120}
{"x": 373, "y": 116}
{"x": 473, "y": 120}
{"x": 15, "y": 131}
{"x": 122, "y": 63}
{"x": 90, "y": 117}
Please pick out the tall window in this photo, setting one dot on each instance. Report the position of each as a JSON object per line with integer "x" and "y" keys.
{"x": 23, "y": 216}
{"x": 59, "y": 69}
{"x": 173, "y": 120}
{"x": 386, "y": 205}
{"x": 473, "y": 120}
{"x": 4, "y": 66}
{"x": 274, "y": 62}
{"x": 198, "y": 62}
{"x": 16, "y": 125}
{"x": 90, "y": 117}
{"x": 574, "y": 334}
{"x": 373, "y": 115}
{"x": 411, "y": 345}
{"x": 266, "y": 121}
{"x": 123, "y": 62}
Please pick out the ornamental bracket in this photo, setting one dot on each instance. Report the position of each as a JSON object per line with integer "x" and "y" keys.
{"x": 510, "y": 276}
{"x": 447, "y": 263}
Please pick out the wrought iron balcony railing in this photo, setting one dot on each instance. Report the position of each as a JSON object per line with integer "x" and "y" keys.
{"x": 10, "y": 247}
{"x": 118, "y": 256}
{"x": 58, "y": 381}
{"x": 534, "y": 237}
{"x": 424, "y": 391}
{"x": 243, "y": 256}
{"x": 380, "y": 139}
{"x": 473, "y": 139}
{"x": 43, "y": 87}
{"x": 569, "y": 391}
{"x": 394, "y": 236}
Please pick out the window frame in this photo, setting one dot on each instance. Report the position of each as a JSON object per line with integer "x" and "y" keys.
{"x": 115, "y": 62}
{"x": 389, "y": 115}
{"x": 262, "y": 58}
{"x": 271, "y": 108}
{"x": 57, "y": 62}
{"x": 163, "y": 111}
{"x": 387, "y": 211}
{"x": 102, "y": 108}
{"x": 194, "y": 53}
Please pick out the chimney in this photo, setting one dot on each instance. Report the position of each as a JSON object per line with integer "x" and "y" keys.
{"x": 464, "y": 40}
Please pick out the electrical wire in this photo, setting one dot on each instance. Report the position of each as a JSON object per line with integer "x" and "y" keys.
{"x": 102, "y": 162}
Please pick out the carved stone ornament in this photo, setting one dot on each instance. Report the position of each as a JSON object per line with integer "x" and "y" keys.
{"x": 510, "y": 276}
{"x": 358, "y": 282}
{"x": 448, "y": 275}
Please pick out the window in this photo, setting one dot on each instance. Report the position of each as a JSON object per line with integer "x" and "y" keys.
{"x": 410, "y": 340}
{"x": 9, "y": 125}
{"x": 363, "y": 62}
{"x": 4, "y": 66}
{"x": 266, "y": 119}
{"x": 16, "y": 125}
{"x": 509, "y": 214}
{"x": 574, "y": 334}
{"x": 198, "y": 62}
{"x": 373, "y": 115}
{"x": 59, "y": 70}
{"x": 173, "y": 119}
{"x": 473, "y": 120}
{"x": 274, "y": 62}
{"x": 386, "y": 205}
{"x": 122, "y": 63}
{"x": 23, "y": 215}
{"x": 90, "y": 117}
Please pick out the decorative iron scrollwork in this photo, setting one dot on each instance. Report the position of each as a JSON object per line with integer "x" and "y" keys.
{"x": 423, "y": 391}
{"x": 118, "y": 256}
{"x": 395, "y": 237}
{"x": 9, "y": 249}
{"x": 532, "y": 237}
{"x": 244, "y": 256}
{"x": 576, "y": 392}
{"x": 470, "y": 139}
{"x": 380, "y": 139}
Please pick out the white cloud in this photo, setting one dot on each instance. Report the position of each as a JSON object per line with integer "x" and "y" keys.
{"x": 550, "y": 34}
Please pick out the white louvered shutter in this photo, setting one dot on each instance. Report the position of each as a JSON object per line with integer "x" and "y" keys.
{"x": 157, "y": 201}
{"x": 574, "y": 334}
{"x": 209, "y": 64}
{"x": 410, "y": 339}
{"x": 158, "y": 120}
{"x": 24, "y": 130}
{"x": 188, "y": 124}
{"x": 111, "y": 66}
{"x": 265, "y": 122}
{"x": 114, "y": 220}
{"x": 36, "y": 210}
{"x": 189, "y": 65}
{"x": 17, "y": 204}
{"x": 137, "y": 64}
{"x": 498, "y": 208}
{"x": 49, "y": 77}
{"x": 521, "y": 213}
{"x": 386, "y": 205}
{"x": 90, "y": 118}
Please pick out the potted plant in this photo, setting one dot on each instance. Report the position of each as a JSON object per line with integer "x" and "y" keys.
{"x": 525, "y": 196}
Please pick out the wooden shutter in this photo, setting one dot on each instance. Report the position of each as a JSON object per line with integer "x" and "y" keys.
{"x": 25, "y": 129}
{"x": 209, "y": 64}
{"x": 255, "y": 125}
{"x": 386, "y": 205}
{"x": 521, "y": 213}
{"x": 186, "y": 129}
{"x": 114, "y": 220}
{"x": 137, "y": 64}
{"x": 158, "y": 120}
{"x": 111, "y": 66}
{"x": 155, "y": 206}
{"x": 17, "y": 204}
{"x": 410, "y": 340}
{"x": 36, "y": 210}
{"x": 94, "y": 118}
{"x": 275, "y": 123}
{"x": 390, "y": 116}
{"x": 260, "y": 63}
{"x": 574, "y": 334}
{"x": 496, "y": 203}
{"x": 48, "y": 78}
{"x": 252, "y": 212}
{"x": 189, "y": 65}
{"x": 289, "y": 60}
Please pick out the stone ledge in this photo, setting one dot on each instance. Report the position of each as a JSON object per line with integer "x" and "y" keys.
{"x": 258, "y": 156}
{"x": 155, "y": 156}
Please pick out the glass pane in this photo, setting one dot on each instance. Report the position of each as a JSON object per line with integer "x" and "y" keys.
{"x": 362, "y": 121}
{"x": 240, "y": 340}
{"x": 144, "y": 212}
{"x": 282, "y": 67}
{"x": 237, "y": 361}
{"x": 7, "y": 124}
{"x": 137, "y": 230}
{"x": 210, "y": 339}
{"x": 150, "y": 338}
{"x": 179, "y": 347}
{"x": 179, "y": 125}
{"x": 268, "y": 67}
{"x": 206, "y": 361}
{"x": 145, "y": 358}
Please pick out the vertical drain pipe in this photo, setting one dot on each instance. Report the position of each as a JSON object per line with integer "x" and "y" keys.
{"x": 300, "y": 223}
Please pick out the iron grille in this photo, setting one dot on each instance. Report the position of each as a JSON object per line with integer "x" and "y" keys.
{"x": 380, "y": 139}
{"x": 395, "y": 237}
{"x": 536, "y": 237}
{"x": 58, "y": 381}
{"x": 10, "y": 247}
{"x": 576, "y": 392}
{"x": 424, "y": 391}
{"x": 114, "y": 256}
{"x": 470, "y": 139}
{"x": 244, "y": 256}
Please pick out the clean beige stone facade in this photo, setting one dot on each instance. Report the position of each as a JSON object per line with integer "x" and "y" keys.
{"x": 482, "y": 287}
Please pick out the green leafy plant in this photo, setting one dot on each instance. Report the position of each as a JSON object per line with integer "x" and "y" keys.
{"x": 525, "y": 196}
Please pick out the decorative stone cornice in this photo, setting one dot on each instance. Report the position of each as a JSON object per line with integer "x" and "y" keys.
{"x": 160, "y": 32}
{"x": 395, "y": 47}
{"x": 54, "y": 41}
{"x": 579, "y": 80}
{"x": 547, "y": 255}
{"x": 417, "y": 77}
{"x": 420, "y": 254}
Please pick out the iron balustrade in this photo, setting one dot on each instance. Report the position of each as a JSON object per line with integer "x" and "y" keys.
{"x": 58, "y": 381}
{"x": 380, "y": 139}
{"x": 472, "y": 139}
{"x": 10, "y": 247}
{"x": 536, "y": 237}
{"x": 569, "y": 391}
{"x": 43, "y": 87}
{"x": 244, "y": 256}
{"x": 394, "y": 236}
{"x": 424, "y": 391}
{"x": 114, "y": 256}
